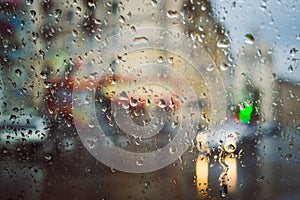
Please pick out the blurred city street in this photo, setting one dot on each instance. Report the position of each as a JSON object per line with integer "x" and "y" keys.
{"x": 184, "y": 99}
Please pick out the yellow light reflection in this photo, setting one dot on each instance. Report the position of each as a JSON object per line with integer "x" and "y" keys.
{"x": 231, "y": 179}
{"x": 202, "y": 170}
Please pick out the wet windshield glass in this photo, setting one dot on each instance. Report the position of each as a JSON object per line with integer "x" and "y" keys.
{"x": 180, "y": 99}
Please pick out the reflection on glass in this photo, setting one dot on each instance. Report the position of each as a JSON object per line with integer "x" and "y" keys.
{"x": 202, "y": 172}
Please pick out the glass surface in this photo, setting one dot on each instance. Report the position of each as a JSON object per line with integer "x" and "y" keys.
{"x": 149, "y": 99}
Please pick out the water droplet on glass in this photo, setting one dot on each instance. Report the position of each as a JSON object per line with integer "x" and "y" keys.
{"x": 263, "y": 60}
{"x": 51, "y": 111}
{"x": 288, "y": 156}
{"x": 260, "y": 178}
{"x": 123, "y": 96}
{"x": 140, "y": 162}
{"x": 78, "y": 10}
{"x": 210, "y": 67}
{"x": 133, "y": 102}
{"x": 91, "y": 125}
{"x": 223, "y": 44}
{"x": 32, "y": 13}
{"x": 154, "y": 3}
{"x": 161, "y": 103}
{"x": 91, "y": 4}
{"x": 43, "y": 75}
{"x": 230, "y": 148}
{"x": 48, "y": 156}
{"x": 298, "y": 37}
{"x": 125, "y": 105}
{"x": 122, "y": 19}
{"x": 258, "y": 52}
{"x": 224, "y": 66}
{"x": 57, "y": 13}
{"x": 140, "y": 40}
{"x": 148, "y": 102}
{"x": 293, "y": 52}
{"x": 14, "y": 47}
{"x": 203, "y": 7}
{"x": 172, "y": 14}
{"x": 224, "y": 190}
{"x": 290, "y": 69}
{"x": 174, "y": 124}
{"x": 172, "y": 149}
{"x": 248, "y": 39}
{"x": 5, "y": 43}
{"x": 13, "y": 118}
{"x": 18, "y": 72}
{"x": 29, "y": 2}
{"x": 34, "y": 35}
{"x": 160, "y": 59}
{"x": 74, "y": 32}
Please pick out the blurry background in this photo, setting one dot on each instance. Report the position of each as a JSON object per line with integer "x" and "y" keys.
{"x": 254, "y": 46}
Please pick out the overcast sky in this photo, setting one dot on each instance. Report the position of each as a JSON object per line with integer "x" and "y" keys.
{"x": 275, "y": 22}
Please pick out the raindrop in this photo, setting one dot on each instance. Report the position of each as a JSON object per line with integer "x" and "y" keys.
{"x": 154, "y": 3}
{"x": 29, "y": 2}
{"x": 91, "y": 125}
{"x": 161, "y": 103}
{"x": 14, "y": 47}
{"x": 140, "y": 162}
{"x": 133, "y": 102}
{"x": 260, "y": 178}
{"x": 48, "y": 157}
{"x": 203, "y": 7}
{"x": 34, "y": 35}
{"x": 43, "y": 75}
{"x": 57, "y": 13}
{"x": 147, "y": 184}
{"x": 224, "y": 190}
{"x": 172, "y": 14}
{"x": 160, "y": 59}
{"x": 263, "y": 60}
{"x": 112, "y": 170}
{"x": 148, "y": 102}
{"x": 248, "y": 39}
{"x": 13, "y": 118}
{"x": 78, "y": 10}
{"x": 123, "y": 96}
{"x": 210, "y": 67}
{"x": 288, "y": 156}
{"x": 91, "y": 4}
{"x": 172, "y": 149}
{"x": 121, "y": 19}
{"x": 18, "y": 72}
{"x": 125, "y": 105}
{"x": 223, "y": 66}
{"x": 51, "y": 111}
{"x": 223, "y": 44}
{"x": 75, "y": 33}
{"x": 298, "y": 37}
{"x": 140, "y": 40}
{"x": 5, "y": 43}
{"x": 174, "y": 124}
{"x": 230, "y": 148}
{"x": 290, "y": 69}
{"x": 32, "y": 13}
{"x": 293, "y": 52}
{"x": 258, "y": 52}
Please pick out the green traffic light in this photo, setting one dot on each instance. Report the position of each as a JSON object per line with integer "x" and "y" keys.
{"x": 246, "y": 109}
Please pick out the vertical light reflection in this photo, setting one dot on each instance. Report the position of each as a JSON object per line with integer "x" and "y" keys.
{"x": 231, "y": 162}
{"x": 202, "y": 170}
